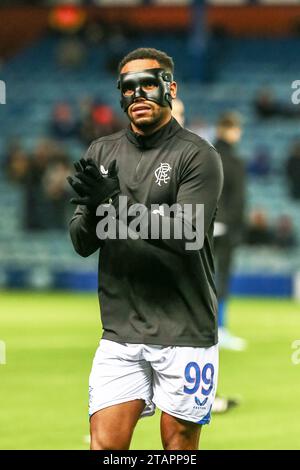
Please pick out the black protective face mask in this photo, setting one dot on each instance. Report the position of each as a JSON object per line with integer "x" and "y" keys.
{"x": 151, "y": 84}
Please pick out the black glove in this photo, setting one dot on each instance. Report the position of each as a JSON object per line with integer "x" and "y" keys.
{"x": 93, "y": 188}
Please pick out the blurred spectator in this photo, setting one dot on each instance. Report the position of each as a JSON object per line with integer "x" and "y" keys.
{"x": 95, "y": 32}
{"x": 17, "y": 166}
{"x": 284, "y": 233}
{"x": 63, "y": 123}
{"x": 99, "y": 120}
{"x": 43, "y": 177}
{"x": 267, "y": 106}
{"x": 57, "y": 193}
{"x": 34, "y": 198}
{"x": 292, "y": 168}
{"x": 260, "y": 165}
{"x": 71, "y": 53}
{"x": 15, "y": 161}
{"x": 12, "y": 145}
{"x": 259, "y": 231}
{"x": 96, "y": 119}
{"x": 85, "y": 107}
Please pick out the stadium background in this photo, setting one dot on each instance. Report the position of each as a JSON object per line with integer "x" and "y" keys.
{"x": 57, "y": 65}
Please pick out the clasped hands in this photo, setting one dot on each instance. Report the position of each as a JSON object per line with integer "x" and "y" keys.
{"x": 91, "y": 187}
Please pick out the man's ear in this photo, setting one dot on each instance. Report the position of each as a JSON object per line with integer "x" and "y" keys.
{"x": 173, "y": 90}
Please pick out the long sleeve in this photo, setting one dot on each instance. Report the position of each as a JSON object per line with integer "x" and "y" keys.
{"x": 83, "y": 232}
{"x": 83, "y": 227}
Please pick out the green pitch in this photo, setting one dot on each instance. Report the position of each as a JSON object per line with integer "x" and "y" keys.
{"x": 50, "y": 341}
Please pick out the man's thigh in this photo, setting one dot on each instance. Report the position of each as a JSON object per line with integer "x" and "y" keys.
{"x": 112, "y": 428}
{"x": 119, "y": 375}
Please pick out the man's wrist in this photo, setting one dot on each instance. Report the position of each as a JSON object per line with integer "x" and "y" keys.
{"x": 113, "y": 198}
{"x": 89, "y": 213}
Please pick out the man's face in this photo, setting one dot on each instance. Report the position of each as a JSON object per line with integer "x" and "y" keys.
{"x": 232, "y": 135}
{"x": 235, "y": 134}
{"x": 144, "y": 113}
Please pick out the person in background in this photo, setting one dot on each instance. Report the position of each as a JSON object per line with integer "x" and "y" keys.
{"x": 34, "y": 197}
{"x": 267, "y": 106}
{"x": 261, "y": 164}
{"x": 98, "y": 120}
{"x": 292, "y": 169}
{"x": 230, "y": 219}
{"x": 285, "y": 237}
{"x": 57, "y": 193}
{"x": 63, "y": 124}
{"x": 259, "y": 231}
{"x": 17, "y": 165}
{"x": 42, "y": 176}
{"x": 71, "y": 53}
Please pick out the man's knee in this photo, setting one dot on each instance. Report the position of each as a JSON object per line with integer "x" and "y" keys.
{"x": 179, "y": 435}
{"x": 112, "y": 427}
{"x": 102, "y": 441}
{"x": 181, "y": 440}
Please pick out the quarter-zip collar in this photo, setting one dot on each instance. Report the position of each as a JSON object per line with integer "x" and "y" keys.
{"x": 153, "y": 140}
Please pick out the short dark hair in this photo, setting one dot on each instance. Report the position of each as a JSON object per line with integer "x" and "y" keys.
{"x": 165, "y": 61}
{"x": 230, "y": 119}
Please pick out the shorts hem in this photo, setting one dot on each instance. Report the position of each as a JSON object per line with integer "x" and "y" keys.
{"x": 201, "y": 421}
{"x": 124, "y": 400}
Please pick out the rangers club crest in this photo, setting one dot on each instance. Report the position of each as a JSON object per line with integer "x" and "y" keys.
{"x": 162, "y": 173}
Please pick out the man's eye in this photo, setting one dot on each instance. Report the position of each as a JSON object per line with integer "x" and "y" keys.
{"x": 128, "y": 92}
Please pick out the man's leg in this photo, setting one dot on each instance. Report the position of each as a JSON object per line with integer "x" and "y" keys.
{"x": 177, "y": 434}
{"x": 223, "y": 250}
{"x": 184, "y": 387}
{"x": 224, "y": 256}
{"x": 120, "y": 390}
{"x": 112, "y": 427}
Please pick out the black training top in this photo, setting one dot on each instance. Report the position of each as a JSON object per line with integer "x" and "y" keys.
{"x": 156, "y": 291}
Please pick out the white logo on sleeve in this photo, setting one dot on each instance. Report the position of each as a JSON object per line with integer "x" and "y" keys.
{"x": 104, "y": 172}
{"x": 162, "y": 173}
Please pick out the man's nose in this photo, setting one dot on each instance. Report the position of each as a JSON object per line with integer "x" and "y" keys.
{"x": 139, "y": 99}
{"x": 138, "y": 94}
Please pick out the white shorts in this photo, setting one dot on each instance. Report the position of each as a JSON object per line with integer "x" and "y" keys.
{"x": 181, "y": 381}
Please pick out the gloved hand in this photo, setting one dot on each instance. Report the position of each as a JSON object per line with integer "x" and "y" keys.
{"x": 92, "y": 188}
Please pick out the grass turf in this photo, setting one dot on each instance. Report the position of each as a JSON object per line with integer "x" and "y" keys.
{"x": 51, "y": 339}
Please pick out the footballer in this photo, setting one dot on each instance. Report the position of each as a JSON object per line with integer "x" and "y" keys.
{"x": 158, "y": 301}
